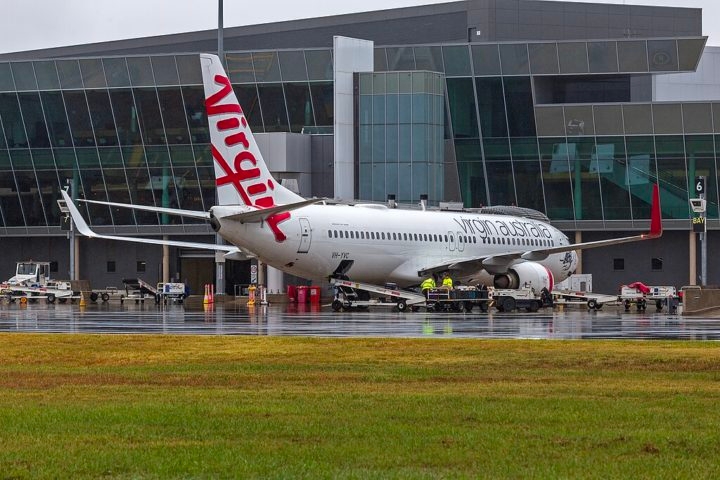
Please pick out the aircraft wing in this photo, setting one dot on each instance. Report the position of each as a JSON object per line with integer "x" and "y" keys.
{"x": 84, "y": 229}
{"x": 170, "y": 211}
{"x": 500, "y": 263}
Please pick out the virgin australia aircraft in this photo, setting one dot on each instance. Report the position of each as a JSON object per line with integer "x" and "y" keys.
{"x": 367, "y": 243}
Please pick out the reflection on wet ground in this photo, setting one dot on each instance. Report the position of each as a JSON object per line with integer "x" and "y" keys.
{"x": 230, "y": 319}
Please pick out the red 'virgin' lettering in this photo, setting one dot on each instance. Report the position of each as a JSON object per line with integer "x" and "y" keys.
{"x": 236, "y": 176}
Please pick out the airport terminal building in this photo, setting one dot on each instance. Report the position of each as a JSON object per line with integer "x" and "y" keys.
{"x": 571, "y": 109}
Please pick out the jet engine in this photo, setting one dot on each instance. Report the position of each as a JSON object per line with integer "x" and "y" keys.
{"x": 527, "y": 274}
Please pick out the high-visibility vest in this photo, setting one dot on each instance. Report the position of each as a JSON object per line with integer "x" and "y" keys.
{"x": 427, "y": 284}
{"x": 447, "y": 282}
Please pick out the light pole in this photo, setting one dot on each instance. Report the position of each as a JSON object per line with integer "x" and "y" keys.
{"x": 221, "y": 53}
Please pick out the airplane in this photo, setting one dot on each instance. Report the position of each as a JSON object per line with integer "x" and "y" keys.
{"x": 369, "y": 243}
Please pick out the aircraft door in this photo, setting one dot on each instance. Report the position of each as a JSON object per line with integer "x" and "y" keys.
{"x": 305, "y": 235}
{"x": 460, "y": 242}
{"x": 451, "y": 241}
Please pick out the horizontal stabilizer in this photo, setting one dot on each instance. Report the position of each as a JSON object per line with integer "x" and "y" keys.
{"x": 84, "y": 229}
{"x": 263, "y": 214}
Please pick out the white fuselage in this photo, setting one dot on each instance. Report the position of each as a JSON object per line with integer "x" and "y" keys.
{"x": 381, "y": 244}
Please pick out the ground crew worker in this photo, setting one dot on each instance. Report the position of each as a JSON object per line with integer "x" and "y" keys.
{"x": 427, "y": 285}
{"x": 447, "y": 281}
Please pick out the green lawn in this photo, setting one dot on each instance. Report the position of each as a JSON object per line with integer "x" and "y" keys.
{"x": 117, "y": 406}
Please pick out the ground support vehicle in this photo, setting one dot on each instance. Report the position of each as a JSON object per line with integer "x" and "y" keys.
{"x": 56, "y": 291}
{"x": 593, "y": 301}
{"x": 32, "y": 283}
{"x": 173, "y": 291}
{"x": 349, "y": 295}
{"x": 105, "y": 294}
{"x": 458, "y": 299}
{"x": 137, "y": 289}
{"x": 507, "y": 300}
{"x": 640, "y": 294}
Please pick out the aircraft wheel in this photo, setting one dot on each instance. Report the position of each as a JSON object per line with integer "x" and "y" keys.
{"x": 336, "y": 305}
{"x": 592, "y": 304}
{"x": 105, "y": 297}
{"x": 401, "y": 305}
{"x": 51, "y": 298}
{"x": 508, "y": 304}
{"x": 534, "y": 306}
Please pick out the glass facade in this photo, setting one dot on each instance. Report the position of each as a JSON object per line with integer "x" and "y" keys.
{"x": 566, "y": 128}
{"x": 569, "y": 129}
{"x": 400, "y": 132}
{"x": 134, "y": 130}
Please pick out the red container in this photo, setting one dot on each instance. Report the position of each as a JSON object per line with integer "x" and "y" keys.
{"x": 314, "y": 295}
{"x": 292, "y": 293}
{"x": 302, "y": 294}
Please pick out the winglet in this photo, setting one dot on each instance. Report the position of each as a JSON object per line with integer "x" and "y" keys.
{"x": 80, "y": 224}
{"x": 656, "y": 229}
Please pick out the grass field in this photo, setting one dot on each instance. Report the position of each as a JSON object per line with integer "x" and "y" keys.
{"x": 96, "y": 406}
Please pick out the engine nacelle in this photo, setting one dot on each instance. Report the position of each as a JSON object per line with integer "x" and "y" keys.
{"x": 527, "y": 274}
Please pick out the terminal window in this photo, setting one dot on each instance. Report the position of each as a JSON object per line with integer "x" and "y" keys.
{"x": 618, "y": 264}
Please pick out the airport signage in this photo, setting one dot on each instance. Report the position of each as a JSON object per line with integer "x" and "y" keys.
{"x": 698, "y": 223}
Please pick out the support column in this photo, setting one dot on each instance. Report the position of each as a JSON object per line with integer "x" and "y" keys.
{"x": 261, "y": 273}
{"x": 219, "y": 272}
{"x": 166, "y": 262}
{"x": 578, "y": 239}
{"x": 76, "y": 266}
{"x": 274, "y": 280}
{"x": 692, "y": 258}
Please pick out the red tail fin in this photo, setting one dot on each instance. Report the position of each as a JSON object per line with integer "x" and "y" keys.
{"x": 655, "y": 215}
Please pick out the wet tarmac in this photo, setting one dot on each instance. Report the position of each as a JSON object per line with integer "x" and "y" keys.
{"x": 229, "y": 319}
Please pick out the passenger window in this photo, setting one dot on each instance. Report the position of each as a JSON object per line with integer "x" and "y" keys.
{"x": 383, "y": 235}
